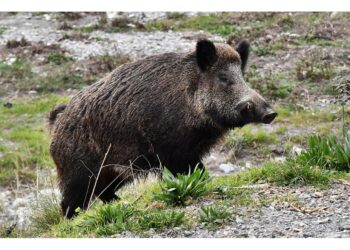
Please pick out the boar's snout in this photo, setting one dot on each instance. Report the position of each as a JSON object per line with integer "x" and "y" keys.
{"x": 269, "y": 116}
{"x": 251, "y": 111}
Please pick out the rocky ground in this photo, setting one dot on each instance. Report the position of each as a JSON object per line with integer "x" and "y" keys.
{"x": 306, "y": 213}
{"x": 316, "y": 213}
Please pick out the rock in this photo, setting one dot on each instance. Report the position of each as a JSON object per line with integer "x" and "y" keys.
{"x": 323, "y": 221}
{"x": 239, "y": 220}
{"x": 345, "y": 226}
{"x": 227, "y": 168}
{"x": 296, "y": 150}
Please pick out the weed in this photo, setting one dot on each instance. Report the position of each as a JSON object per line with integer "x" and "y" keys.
{"x": 342, "y": 87}
{"x": 64, "y": 26}
{"x": 272, "y": 84}
{"x": 327, "y": 152}
{"x": 107, "y": 220}
{"x": 159, "y": 219}
{"x": 10, "y": 44}
{"x": 86, "y": 29}
{"x": 213, "y": 215}
{"x": 249, "y": 136}
{"x": 262, "y": 51}
{"x": 215, "y": 23}
{"x": 289, "y": 173}
{"x": 58, "y": 58}
{"x": 105, "y": 63}
{"x": 177, "y": 190}
{"x": 46, "y": 212}
{"x": 2, "y": 30}
{"x": 287, "y": 21}
{"x": 313, "y": 67}
{"x": 176, "y": 15}
{"x": 41, "y": 13}
{"x": 16, "y": 70}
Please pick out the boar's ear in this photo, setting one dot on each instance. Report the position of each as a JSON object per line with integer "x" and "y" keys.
{"x": 206, "y": 54}
{"x": 243, "y": 51}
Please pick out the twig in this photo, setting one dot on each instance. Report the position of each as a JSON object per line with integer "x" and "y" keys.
{"x": 98, "y": 175}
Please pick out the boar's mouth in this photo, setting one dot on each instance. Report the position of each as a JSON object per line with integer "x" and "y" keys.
{"x": 240, "y": 119}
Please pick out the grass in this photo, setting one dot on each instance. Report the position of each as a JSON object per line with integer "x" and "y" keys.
{"x": 249, "y": 135}
{"x": 14, "y": 71}
{"x": 273, "y": 85}
{"x": 215, "y": 23}
{"x": 25, "y": 139}
{"x": 59, "y": 72}
{"x": 45, "y": 213}
{"x": 314, "y": 68}
{"x": 58, "y": 58}
{"x": 328, "y": 152}
{"x": 2, "y": 30}
{"x": 290, "y": 174}
{"x": 178, "y": 190}
{"x": 213, "y": 216}
{"x": 138, "y": 213}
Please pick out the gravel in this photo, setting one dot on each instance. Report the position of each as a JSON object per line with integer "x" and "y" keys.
{"x": 324, "y": 215}
{"x": 133, "y": 44}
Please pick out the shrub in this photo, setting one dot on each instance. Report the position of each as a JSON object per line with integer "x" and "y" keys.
{"x": 159, "y": 219}
{"x": 213, "y": 215}
{"x": 58, "y": 58}
{"x": 327, "y": 152}
{"x": 107, "y": 220}
{"x": 177, "y": 190}
{"x": 314, "y": 67}
{"x": 46, "y": 212}
{"x": 19, "y": 69}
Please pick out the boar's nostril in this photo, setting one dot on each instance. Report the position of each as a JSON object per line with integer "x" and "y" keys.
{"x": 269, "y": 117}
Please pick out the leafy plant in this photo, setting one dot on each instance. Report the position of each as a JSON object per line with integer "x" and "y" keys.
{"x": 177, "y": 190}
{"x": 46, "y": 212}
{"x": 159, "y": 219}
{"x": 58, "y": 58}
{"x": 314, "y": 67}
{"x": 108, "y": 219}
{"x": 19, "y": 69}
{"x": 213, "y": 215}
{"x": 342, "y": 86}
{"x": 327, "y": 152}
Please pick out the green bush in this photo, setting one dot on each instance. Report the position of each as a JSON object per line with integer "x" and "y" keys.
{"x": 107, "y": 220}
{"x": 116, "y": 218}
{"x": 159, "y": 219}
{"x": 177, "y": 190}
{"x": 213, "y": 215}
{"x": 46, "y": 212}
{"x": 328, "y": 152}
{"x": 58, "y": 58}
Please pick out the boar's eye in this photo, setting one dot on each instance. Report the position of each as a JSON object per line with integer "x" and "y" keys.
{"x": 225, "y": 79}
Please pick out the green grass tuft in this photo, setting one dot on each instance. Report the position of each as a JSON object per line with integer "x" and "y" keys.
{"x": 327, "y": 152}
{"x": 178, "y": 190}
{"x": 213, "y": 215}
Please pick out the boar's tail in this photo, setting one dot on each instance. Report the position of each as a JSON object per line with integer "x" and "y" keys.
{"x": 54, "y": 114}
